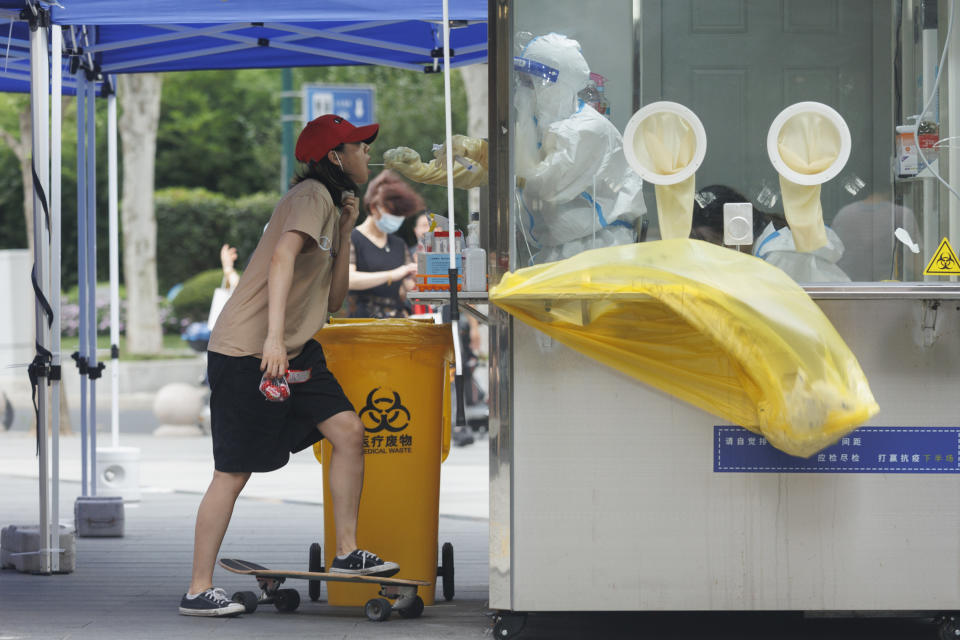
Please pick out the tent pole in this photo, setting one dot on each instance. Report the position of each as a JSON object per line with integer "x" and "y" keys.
{"x": 82, "y": 274}
{"x": 91, "y": 193}
{"x": 451, "y": 213}
{"x": 448, "y": 121}
{"x": 56, "y": 129}
{"x": 114, "y": 263}
{"x": 39, "y": 90}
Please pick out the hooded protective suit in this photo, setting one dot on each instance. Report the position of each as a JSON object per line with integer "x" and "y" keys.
{"x": 778, "y": 247}
{"x": 576, "y": 191}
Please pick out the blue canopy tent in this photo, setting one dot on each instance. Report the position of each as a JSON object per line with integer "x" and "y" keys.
{"x": 15, "y": 51}
{"x": 92, "y": 40}
{"x": 146, "y": 35}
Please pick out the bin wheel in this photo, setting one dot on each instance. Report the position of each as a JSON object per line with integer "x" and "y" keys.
{"x": 248, "y": 599}
{"x": 315, "y": 566}
{"x": 445, "y": 570}
{"x": 949, "y": 627}
{"x": 412, "y": 610}
{"x": 378, "y": 609}
{"x": 287, "y": 600}
{"x": 508, "y": 625}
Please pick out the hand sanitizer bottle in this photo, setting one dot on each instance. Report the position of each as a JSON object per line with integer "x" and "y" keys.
{"x": 474, "y": 258}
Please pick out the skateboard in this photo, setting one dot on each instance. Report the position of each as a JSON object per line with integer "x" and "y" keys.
{"x": 404, "y": 592}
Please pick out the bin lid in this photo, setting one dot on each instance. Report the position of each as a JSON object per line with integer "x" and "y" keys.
{"x": 395, "y": 331}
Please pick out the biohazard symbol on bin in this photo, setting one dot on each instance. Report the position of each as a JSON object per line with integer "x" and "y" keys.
{"x": 384, "y": 411}
{"x": 944, "y": 262}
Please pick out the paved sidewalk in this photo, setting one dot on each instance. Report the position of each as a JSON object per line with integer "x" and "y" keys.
{"x": 129, "y": 588}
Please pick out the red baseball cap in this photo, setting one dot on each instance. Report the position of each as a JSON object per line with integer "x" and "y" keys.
{"x": 327, "y": 132}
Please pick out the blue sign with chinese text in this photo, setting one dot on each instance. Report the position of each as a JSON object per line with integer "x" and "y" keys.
{"x": 866, "y": 450}
{"x": 353, "y": 102}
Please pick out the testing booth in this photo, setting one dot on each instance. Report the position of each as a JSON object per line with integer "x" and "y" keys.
{"x": 609, "y": 494}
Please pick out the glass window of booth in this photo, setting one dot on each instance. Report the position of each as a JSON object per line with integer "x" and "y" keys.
{"x": 590, "y": 171}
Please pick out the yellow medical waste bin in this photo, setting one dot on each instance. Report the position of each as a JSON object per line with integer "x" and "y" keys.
{"x": 395, "y": 372}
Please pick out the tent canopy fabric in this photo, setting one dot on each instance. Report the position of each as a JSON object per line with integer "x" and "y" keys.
{"x": 138, "y": 36}
{"x": 274, "y": 43}
{"x": 15, "y": 48}
{"x": 104, "y": 12}
{"x": 130, "y": 36}
{"x": 15, "y": 63}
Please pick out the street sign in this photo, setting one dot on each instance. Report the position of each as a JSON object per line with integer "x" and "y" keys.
{"x": 353, "y": 102}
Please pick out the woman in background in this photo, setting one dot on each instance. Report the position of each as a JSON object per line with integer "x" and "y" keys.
{"x": 381, "y": 266}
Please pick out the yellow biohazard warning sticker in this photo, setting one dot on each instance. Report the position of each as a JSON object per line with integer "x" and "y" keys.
{"x": 944, "y": 262}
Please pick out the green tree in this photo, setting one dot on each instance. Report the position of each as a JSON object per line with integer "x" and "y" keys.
{"x": 220, "y": 130}
{"x": 12, "y": 227}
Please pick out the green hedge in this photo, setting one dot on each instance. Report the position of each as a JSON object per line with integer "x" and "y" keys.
{"x": 192, "y": 225}
{"x": 194, "y": 299}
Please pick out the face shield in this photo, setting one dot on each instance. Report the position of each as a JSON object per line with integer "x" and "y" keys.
{"x": 553, "y": 68}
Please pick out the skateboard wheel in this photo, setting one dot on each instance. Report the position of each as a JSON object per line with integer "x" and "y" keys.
{"x": 378, "y": 609}
{"x": 315, "y": 566}
{"x": 287, "y": 600}
{"x": 248, "y": 599}
{"x": 413, "y": 610}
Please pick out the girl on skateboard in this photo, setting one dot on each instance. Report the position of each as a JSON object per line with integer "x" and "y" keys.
{"x": 259, "y": 414}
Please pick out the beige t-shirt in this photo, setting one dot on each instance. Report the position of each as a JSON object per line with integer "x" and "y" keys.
{"x": 242, "y": 326}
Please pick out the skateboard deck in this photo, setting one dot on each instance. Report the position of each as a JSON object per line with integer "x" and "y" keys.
{"x": 252, "y": 569}
{"x": 403, "y": 592}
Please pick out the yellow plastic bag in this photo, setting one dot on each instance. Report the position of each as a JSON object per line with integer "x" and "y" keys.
{"x": 719, "y": 329}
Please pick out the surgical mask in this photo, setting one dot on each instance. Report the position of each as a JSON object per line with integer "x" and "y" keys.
{"x": 338, "y": 161}
{"x": 389, "y": 223}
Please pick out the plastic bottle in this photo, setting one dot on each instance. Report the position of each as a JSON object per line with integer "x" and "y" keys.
{"x": 424, "y": 246}
{"x": 473, "y": 230}
{"x": 928, "y": 134}
{"x": 474, "y": 258}
{"x": 595, "y": 94}
{"x": 907, "y": 158}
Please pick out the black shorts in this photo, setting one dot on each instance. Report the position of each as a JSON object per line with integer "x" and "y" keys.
{"x": 252, "y": 434}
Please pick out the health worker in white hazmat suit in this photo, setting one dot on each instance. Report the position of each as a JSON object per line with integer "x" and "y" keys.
{"x": 575, "y": 189}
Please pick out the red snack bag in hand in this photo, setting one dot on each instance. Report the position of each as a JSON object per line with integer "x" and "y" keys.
{"x": 274, "y": 389}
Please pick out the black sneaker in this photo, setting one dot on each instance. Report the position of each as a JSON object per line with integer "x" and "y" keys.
{"x": 213, "y": 603}
{"x": 363, "y": 563}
